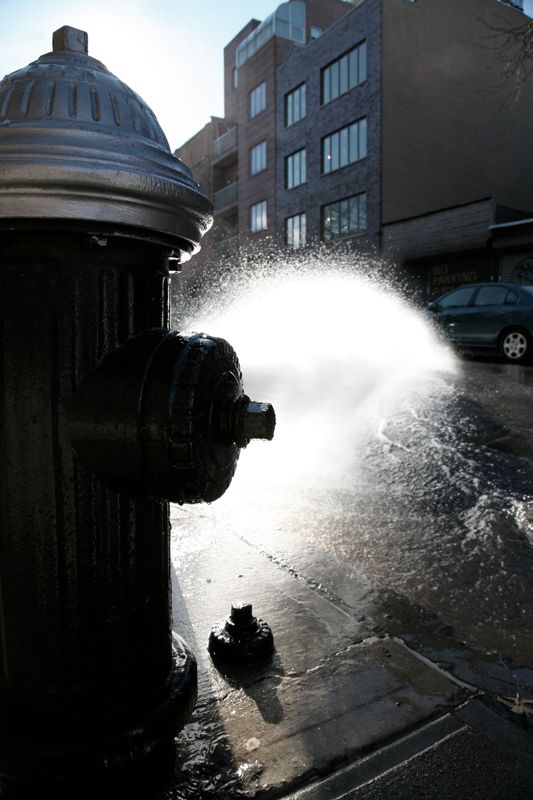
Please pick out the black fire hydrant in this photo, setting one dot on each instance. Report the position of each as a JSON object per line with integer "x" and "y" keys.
{"x": 106, "y": 415}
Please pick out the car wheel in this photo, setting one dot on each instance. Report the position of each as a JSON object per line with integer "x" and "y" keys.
{"x": 515, "y": 345}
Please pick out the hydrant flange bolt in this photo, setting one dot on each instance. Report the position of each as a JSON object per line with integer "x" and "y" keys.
{"x": 241, "y": 638}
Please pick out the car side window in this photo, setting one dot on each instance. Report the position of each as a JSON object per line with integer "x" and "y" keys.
{"x": 491, "y": 296}
{"x": 458, "y": 298}
{"x": 511, "y": 299}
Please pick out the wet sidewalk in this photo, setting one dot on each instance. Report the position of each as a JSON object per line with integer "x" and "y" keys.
{"x": 345, "y": 708}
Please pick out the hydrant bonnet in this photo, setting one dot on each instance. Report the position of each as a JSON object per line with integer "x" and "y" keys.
{"x": 76, "y": 143}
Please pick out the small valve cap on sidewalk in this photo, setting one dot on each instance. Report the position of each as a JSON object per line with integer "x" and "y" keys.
{"x": 240, "y": 638}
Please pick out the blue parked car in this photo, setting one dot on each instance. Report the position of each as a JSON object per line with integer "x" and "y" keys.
{"x": 488, "y": 315}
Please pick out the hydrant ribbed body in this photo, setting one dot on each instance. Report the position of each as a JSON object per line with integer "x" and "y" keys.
{"x": 84, "y": 570}
{"x": 56, "y": 327}
{"x": 105, "y": 416}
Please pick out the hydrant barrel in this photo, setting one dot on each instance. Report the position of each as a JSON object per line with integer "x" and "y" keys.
{"x": 94, "y": 212}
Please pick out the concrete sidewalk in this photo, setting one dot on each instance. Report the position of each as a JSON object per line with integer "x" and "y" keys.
{"x": 469, "y": 753}
{"x": 343, "y": 709}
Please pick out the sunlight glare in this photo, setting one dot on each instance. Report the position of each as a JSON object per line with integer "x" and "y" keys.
{"x": 335, "y": 353}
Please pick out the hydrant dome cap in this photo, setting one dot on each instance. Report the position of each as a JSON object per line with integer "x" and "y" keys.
{"x": 76, "y": 143}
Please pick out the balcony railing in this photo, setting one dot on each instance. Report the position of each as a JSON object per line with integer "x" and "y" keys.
{"x": 225, "y": 143}
{"x": 226, "y": 197}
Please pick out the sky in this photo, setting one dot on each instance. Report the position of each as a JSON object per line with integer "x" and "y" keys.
{"x": 168, "y": 51}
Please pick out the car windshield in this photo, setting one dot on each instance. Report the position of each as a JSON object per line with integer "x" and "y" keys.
{"x": 528, "y": 289}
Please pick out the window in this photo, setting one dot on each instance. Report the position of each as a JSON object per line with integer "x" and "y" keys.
{"x": 295, "y": 231}
{"x": 491, "y": 296}
{"x": 258, "y": 99}
{"x": 343, "y": 74}
{"x": 258, "y": 158}
{"x": 295, "y": 169}
{"x": 288, "y": 21}
{"x": 258, "y": 217}
{"x": 344, "y": 218}
{"x": 495, "y": 295}
{"x": 344, "y": 146}
{"x": 458, "y": 298}
{"x": 235, "y": 77}
{"x": 295, "y": 105}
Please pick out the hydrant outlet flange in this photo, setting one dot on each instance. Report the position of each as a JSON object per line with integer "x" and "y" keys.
{"x": 173, "y": 420}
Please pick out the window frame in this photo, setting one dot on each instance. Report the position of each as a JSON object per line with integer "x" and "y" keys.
{"x": 341, "y": 212}
{"x": 352, "y": 137}
{"x": 289, "y": 102}
{"x": 259, "y": 213}
{"x": 259, "y": 153}
{"x": 302, "y": 230}
{"x": 350, "y": 68}
{"x": 296, "y": 168}
{"x": 258, "y": 100}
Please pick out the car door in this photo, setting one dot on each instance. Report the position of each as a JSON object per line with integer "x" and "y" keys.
{"x": 450, "y": 311}
{"x": 490, "y": 311}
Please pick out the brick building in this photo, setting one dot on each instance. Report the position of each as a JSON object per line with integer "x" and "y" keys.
{"x": 345, "y": 121}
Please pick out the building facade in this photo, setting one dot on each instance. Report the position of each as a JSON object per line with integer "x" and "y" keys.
{"x": 344, "y": 120}
{"x": 337, "y": 137}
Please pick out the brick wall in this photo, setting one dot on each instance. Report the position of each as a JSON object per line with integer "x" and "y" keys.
{"x": 305, "y": 64}
{"x": 454, "y": 129}
{"x": 453, "y": 229}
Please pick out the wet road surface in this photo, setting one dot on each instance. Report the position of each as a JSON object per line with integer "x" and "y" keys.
{"x": 442, "y": 513}
{"x": 437, "y": 509}
{"x": 423, "y": 531}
